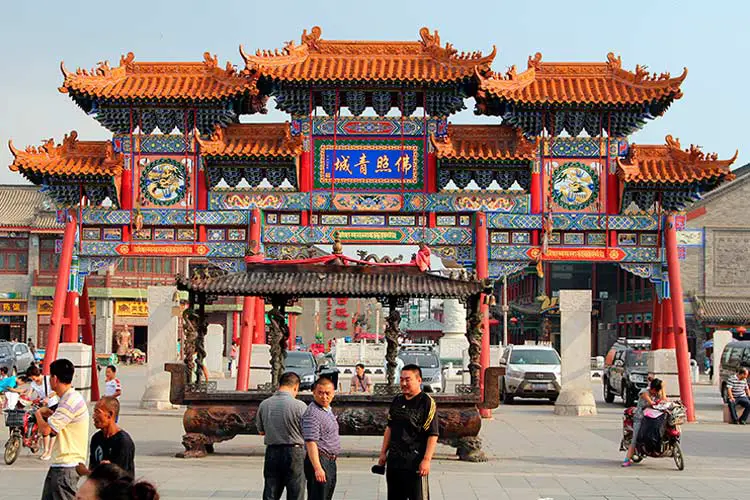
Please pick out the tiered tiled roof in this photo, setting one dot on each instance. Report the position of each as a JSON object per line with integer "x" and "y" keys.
{"x": 318, "y": 60}
{"x": 72, "y": 157}
{"x": 671, "y": 164}
{"x": 27, "y": 208}
{"x": 252, "y": 140}
{"x": 580, "y": 83}
{"x": 182, "y": 81}
{"x": 484, "y": 142}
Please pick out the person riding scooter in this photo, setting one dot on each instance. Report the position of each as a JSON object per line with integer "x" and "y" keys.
{"x": 646, "y": 399}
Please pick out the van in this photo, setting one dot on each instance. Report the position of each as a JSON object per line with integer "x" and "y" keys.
{"x": 736, "y": 354}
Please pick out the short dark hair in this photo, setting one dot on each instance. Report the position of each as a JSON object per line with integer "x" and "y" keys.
{"x": 323, "y": 380}
{"x": 63, "y": 369}
{"x": 112, "y": 367}
{"x": 289, "y": 379}
{"x": 4, "y": 369}
{"x": 33, "y": 371}
{"x": 111, "y": 404}
{"x": 741, "y": 370}
{"x": 411, "y": 367}
{"x": 360, "y": 365}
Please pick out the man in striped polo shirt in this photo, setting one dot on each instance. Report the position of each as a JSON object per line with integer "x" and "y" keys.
{"x": 70, "y": 423}
{"x": 321, "y": 432}
{"x": 279, "y": 421}
{"x": 738, "y": 394}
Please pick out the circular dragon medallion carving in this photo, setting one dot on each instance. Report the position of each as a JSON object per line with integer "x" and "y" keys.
{"x": 574, "y": 185}
{"x": 164, "y": 182}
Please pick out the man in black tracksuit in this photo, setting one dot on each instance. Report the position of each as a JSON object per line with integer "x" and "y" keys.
{"x": 410, "y": 439}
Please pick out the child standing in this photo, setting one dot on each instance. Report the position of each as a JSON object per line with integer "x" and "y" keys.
{"x": 112, "y": 385}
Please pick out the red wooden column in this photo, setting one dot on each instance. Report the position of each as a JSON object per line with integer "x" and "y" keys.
{"x": 656, "y": 324}
{"x": 678, "y": 312}
{"x": 432, "y": 186}
{"x": 304, "y": 178}
{"x": 667, "y": 329}
{"x": 246, "y": 343}
{"x": 61, "y": 288}
{"x": 535, "y": 192}
{"x": 126, "y": 195}
{"x": 259, "y": 335}
{"x": 88, "y": 339}
{"x": 236, "y": 326}
{"x": 482, "y": 268}
{"x": 73, "y": 318}
{"x": 259, "y": 332}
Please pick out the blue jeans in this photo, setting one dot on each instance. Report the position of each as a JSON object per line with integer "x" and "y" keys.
{"x": 283, "y": 468}
{"x": 742, "y": 401}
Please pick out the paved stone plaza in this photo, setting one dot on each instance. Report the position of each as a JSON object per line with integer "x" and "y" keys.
{"x": 535, "y": 454}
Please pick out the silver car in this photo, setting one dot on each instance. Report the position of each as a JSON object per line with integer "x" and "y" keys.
{"x": 426, "y": 358}
{"x": 16, "y": 356}
{"x": 531, "y": 371}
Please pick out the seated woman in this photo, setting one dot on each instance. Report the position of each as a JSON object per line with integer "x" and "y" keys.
{"x": 646, "y": 399}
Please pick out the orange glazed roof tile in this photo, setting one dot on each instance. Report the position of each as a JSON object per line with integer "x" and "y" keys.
{"x": 484, "y": 142}
{"x": 316, "y": 59}
{"x": 589, "y": 83}
{"x": 72, "y": 157}
{"x": 158, "y": 80}
{"x": 669, "y": 163}
{"x": 252, "y": 140}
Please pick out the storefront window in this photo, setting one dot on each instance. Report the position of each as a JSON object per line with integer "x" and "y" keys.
{"x": 14, "y": 255}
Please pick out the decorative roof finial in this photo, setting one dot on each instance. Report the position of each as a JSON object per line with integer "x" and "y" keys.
{"x": 338, "y": 248}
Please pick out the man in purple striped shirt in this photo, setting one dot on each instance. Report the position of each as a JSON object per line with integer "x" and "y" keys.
{"x": 320, "y": 429}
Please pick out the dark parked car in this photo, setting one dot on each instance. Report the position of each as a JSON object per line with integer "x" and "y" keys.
{"x": 626, "y": 376}
{"x": 735, "y": 355}
{"x": 304, "y": 365}
{"x": 16, "y": 356}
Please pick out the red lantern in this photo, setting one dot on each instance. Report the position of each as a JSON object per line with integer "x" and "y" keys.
{"x": 514, "y": 320}
{"x": 741, "y": 330}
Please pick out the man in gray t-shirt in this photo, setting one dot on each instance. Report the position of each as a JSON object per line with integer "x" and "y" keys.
{"x": 279, "y": 421}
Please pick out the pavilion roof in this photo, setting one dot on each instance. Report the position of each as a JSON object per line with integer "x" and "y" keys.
{"x": 332, "y": 279}
{"x": 319, "y": 60}
{"x": 71, "y": 157}
{"x": 484, "y": 142}
{"x": 580, "y": 83}
{"x": 669, "y": 163}
{"x": 243, "y": 140}
{"x": 176, "y": 81}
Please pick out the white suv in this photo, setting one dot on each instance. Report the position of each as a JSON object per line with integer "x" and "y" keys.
{"x": 531, "y": 371}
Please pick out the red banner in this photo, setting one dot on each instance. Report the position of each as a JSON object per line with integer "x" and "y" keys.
{"x": 161, "y": 250}
{"x": 571, "y": 254}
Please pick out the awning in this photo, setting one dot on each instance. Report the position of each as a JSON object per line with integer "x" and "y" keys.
{"x": 724, "y": 310}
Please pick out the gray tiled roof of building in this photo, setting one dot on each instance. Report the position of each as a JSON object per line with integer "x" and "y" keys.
{"x": 25, "y": 207}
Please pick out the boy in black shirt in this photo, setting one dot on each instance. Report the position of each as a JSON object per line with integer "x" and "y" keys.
{"x": 110, "y": 444}
{"x": 410, "y": 439}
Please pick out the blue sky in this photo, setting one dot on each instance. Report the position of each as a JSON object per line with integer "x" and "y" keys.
{"x": 708, "y": 37}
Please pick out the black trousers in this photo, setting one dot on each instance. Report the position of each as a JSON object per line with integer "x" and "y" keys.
{"x": 406, "y": 485}
{"x": 61, "y": 483}
{"x": 316, "y": 490}
{"x": 283, "y": 468}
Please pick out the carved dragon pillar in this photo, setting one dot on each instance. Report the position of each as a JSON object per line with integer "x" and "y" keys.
{"x": 391, "y": 338}
{"x": 277, "y": 339}
{"x": 474, "y": 336}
